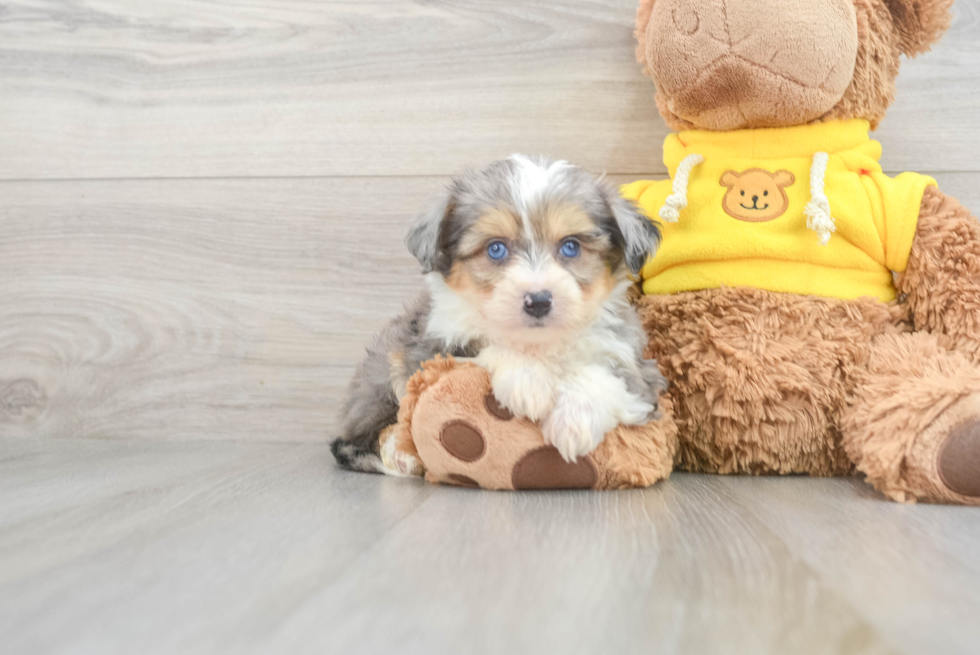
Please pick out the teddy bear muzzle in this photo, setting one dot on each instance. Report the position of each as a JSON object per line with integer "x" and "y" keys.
{"x": 719, "y": 66}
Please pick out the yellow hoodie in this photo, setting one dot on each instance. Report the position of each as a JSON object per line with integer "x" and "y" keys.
{"x": 802, "y": 210}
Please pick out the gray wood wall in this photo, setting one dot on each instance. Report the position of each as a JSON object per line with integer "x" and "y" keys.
{"x": 202, "y": 203}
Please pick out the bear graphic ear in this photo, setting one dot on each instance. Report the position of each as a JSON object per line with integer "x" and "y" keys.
{"x": 729, "y": 179}
{"x": 919, "y": 23}
{"x": 783, "y": 178}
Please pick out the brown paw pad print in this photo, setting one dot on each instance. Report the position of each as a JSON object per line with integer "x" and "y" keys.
{"x": 496, "y": 409}
{"x": 463, "y": 441}
{"x": 462, "y": 480}
{"x": 959, "y": 460}
{"x": 544, "y": 468}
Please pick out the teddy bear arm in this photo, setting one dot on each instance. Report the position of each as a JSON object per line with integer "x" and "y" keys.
{"x": 941, "y": 283}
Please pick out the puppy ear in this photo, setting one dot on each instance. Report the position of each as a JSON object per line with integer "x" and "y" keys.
{"x": 919, "y": 23}
{"x": 426, "y": 238}
{"x": 632, "y": 231}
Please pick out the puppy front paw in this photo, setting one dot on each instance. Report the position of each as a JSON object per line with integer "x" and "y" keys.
{"x": 575, "y": 429}
{"x": 525, "y": 391}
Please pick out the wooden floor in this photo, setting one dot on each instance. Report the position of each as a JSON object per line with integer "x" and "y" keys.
{"x": 201, "y": 211}
{"x": 203, "y": 547}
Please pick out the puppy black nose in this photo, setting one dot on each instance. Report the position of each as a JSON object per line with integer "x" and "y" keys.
{"x": 537, "y": 304}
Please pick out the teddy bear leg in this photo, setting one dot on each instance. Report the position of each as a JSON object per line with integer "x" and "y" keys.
{"x": 912, "y": 425}
{"x": 632, "y": 456}
{"x": 464, "y": 437}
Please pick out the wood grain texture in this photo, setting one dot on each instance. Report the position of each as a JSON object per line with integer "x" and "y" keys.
{"x": 203, "y": 309}
{"x": 190, "y": 309}
{"x": 192, "y": 88}
{"x": 195, "y": 547}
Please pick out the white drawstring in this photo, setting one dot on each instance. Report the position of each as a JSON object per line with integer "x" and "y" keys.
{"x": 817, "y": 211}
{"x": 677, "y": 200}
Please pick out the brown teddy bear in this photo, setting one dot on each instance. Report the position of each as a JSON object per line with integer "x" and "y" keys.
{"x": 812, "y": 314}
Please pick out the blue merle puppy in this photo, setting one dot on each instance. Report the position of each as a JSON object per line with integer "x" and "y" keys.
{"x": 527, "y": 266}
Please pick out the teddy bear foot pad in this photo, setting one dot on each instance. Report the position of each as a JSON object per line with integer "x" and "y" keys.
{"x": 475, "y": 442}
{"x": 959, "y": 460}
{"x": 461, "y": 455}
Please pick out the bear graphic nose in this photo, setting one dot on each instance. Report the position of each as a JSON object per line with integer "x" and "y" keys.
{"x": 755, "y": 199}
{"x": 537, "y": 303}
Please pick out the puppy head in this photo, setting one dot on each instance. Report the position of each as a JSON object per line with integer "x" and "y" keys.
{"x": 528, "y": 251}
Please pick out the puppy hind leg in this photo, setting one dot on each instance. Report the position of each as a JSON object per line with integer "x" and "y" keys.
{"x": 399, "y": 456}
{"x": 366, "y": 417}
{"x": 389, "y": 460}
{"x": 352, "y": 455}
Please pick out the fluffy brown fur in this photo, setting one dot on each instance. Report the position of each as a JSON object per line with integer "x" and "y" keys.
{"x": 911, "y": 394}
{"x": 638, "y": 456}
{"x": 872, "y": 90}
{"x": 942, "y": 281}
{"x": 919, "y": 23}
{"x": 758, "y": 379}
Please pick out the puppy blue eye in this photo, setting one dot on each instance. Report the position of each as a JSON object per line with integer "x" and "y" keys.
{"x": 497, "y": 250}
{"x": 570, "y": 249}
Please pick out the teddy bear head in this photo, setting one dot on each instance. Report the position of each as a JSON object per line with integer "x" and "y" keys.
{"x": 733, "y": 64}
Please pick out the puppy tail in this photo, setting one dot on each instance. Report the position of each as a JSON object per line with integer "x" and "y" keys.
{"x": 353, "y": 456}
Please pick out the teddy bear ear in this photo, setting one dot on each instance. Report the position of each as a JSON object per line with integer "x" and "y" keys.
{"x": 919, "y": 23}
{"x": 643, "y": 13}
